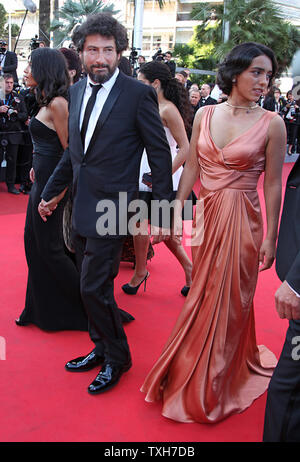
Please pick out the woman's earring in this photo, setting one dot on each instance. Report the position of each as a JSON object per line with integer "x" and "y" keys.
{"x": 234, "y": 80}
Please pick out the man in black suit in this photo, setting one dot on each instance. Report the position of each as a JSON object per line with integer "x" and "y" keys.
{"x": 206, "y": 99}
{"x": 103, "y": 157}
{"x": 170, "y": 63}
{"x": 194, "y": 97}
{"x": 282, "y": 416}
{"x": 13, "y": 112}
{"x": 8, "y": 61}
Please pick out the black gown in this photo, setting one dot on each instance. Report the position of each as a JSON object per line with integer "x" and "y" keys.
{"x": 53, "y": 299}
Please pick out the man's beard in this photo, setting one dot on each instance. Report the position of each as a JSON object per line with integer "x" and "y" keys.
{"x": 100, "y": 77}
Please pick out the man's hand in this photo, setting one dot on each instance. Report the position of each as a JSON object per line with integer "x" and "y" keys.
{"x": 159, "y": 234}
{"x": 287, "y": 303}
{"x": 46, "y": 208}
{"x": 4, "y": 109}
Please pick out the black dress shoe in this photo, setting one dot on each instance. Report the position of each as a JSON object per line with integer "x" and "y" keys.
{"x": 23, "y": 189}
{"x": 108, "y": 377}
{"x": 13, "y": 190}
{"x": 84, "y": 363}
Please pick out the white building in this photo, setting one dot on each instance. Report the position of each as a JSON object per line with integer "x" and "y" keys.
{"x": 161, "y": 28}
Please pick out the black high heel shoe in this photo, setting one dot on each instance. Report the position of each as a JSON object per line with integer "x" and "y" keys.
{"x": 130, "y": 290}
{"x": 185, "y": 290}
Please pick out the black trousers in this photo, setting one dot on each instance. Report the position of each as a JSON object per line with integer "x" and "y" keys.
{"x": 98, "y": 260}
{"x": 282, "y": 416}
{"x": 11, "y": 158}
{"x": 291, "y": 130}
{"x": 24, "y": 164}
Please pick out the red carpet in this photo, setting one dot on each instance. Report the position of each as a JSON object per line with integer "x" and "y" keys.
{"x": 40, "y": 402}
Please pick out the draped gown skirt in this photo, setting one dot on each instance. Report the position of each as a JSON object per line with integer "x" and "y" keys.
{"x": 211, "y": 366}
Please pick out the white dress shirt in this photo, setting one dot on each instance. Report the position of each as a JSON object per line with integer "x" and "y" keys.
{"x": 102, "y": 95}
{"x": 2, "y": 60}
{"x": 293, "y": 290}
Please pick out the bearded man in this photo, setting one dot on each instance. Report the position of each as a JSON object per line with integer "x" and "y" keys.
{"x": 113, "y": 118}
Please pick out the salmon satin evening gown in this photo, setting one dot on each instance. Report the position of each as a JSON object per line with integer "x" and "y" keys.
{"x": 211, "y": 366}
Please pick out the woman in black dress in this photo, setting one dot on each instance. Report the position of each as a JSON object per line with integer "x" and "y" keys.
{"x": 48, "y": 264}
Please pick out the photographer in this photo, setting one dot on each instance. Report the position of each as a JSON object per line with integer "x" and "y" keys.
{"x": 12, "y": 113}
{"x": 171, "y": 64}
{"x": 291, "y": 118}
{"x": 8, "y": 61}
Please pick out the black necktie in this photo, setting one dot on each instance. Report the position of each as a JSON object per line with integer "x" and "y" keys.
{"x": 88, "y": 110}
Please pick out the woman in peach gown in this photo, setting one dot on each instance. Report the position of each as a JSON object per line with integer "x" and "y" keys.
{"x": 211, "y": 366}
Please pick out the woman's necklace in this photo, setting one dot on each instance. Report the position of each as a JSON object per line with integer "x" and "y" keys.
{"x": 248, "y": 108}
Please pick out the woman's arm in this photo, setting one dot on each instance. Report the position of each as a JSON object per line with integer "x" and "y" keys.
{"x": 191, "y": 168}
{"x": 173, "y": 120}
{"x": 275, "y": 153}
{"x": 59, "y": 116}
{"x": 188, "y": 178}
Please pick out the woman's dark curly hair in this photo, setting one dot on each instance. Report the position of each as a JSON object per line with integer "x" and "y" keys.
{"x": 173, "y": 90}
{"x": 49, "y": 70}
{"x": 101, "y": 24}
{"x": 239, "y": 59}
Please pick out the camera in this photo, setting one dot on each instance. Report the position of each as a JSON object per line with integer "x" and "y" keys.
{"x": 11, "y": 114}
{"x": 158, "y": 56}
{"x": 34, "y": 43}
{"x": 133, "y": 56}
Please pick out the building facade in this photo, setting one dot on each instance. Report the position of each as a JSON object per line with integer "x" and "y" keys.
{"x": 162, "y": 28}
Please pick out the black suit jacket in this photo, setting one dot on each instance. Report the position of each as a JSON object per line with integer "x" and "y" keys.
{"x": 269, "y": 104}
{"x": 11, "y": 64}
{"x": 288, "y": 249}
{"x": 208, "y": 101}
{"x": 172, "y": 66}
{"x": 129, "y": 122}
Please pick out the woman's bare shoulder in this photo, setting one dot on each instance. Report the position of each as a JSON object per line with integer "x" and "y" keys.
{"x": 58, "y": 105}
{"x": 58, "y": 102}
{"x": 199, "y": 114}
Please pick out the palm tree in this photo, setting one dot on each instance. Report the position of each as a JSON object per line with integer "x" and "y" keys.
{"x": 249, "y": 20}
{"x": 44, "y": 21}
{"x": 73, "y": 13}
{"x": 3, "y": 14}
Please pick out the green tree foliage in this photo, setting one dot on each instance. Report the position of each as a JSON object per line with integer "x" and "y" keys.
{"x": 2, "y": 20}
{"x": 73, "y": 13}
{"x": 249, "y": 20}
{"x": 15, "y": 29}
{"x": 4, "y": 33}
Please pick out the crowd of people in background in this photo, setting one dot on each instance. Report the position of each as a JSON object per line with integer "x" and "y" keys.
{"x": 17, "y": 106}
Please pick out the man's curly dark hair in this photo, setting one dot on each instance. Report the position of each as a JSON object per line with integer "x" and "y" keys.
{"x": 101, "y": 24}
